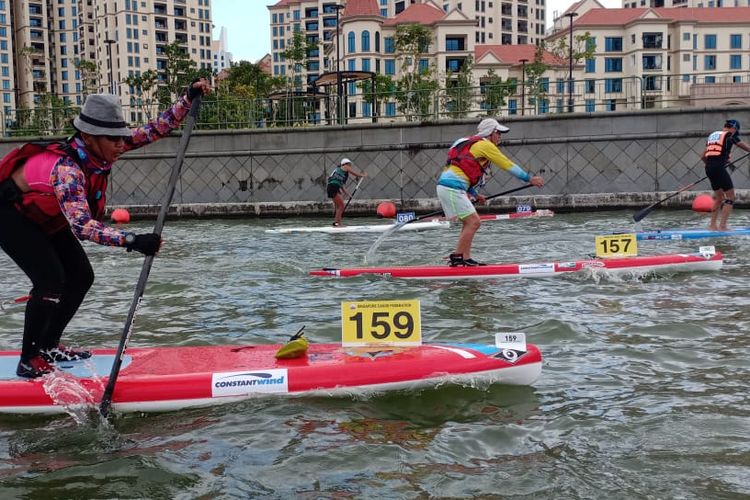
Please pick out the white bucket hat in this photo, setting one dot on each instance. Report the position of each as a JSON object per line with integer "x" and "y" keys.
{"x": 345, "y": 161}
{"x": 489, "y": 125}
{"x": 102, "y": 115}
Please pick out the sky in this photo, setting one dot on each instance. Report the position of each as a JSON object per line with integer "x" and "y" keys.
{"x": 248, "y": 24}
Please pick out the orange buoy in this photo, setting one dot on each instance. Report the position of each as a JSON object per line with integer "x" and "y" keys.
{"x": 120, "y": 216}
{"x": 387, "y": 209}
{"x": 703, "y": 203}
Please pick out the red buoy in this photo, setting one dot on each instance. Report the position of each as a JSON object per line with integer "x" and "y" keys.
{"x": 120, "y": 216}
{"x": 703, "y": 203}
{"x": 387, "y": 209}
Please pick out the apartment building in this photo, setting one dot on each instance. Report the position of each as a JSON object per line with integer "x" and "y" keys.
{"x": 222, "y": 59}
{"x": 663, "y": 57}
{"x": 633, "y": 4}
{"x": 43, "y": 43}
{"x": 494, "y": 22}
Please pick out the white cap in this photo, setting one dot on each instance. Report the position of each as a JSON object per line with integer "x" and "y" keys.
{"x": 345, "y": 161}
{"x": 489, "y": 125}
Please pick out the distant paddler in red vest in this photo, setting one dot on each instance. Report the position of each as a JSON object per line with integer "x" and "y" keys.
{"x": 716, "y": 157}
{"x": 51, "y": 196}
{"x": 468, "y": 161}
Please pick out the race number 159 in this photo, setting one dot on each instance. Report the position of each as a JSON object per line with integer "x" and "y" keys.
{"x": 391, "y": 322}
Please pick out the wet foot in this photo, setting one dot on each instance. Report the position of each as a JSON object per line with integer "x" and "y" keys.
{"x": 713, "y": 228}
{"x": 725, "y": 229}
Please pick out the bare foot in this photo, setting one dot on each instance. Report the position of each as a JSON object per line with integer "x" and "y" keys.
{"x": 725, "y": 229}
{"x": 713, "y": 228}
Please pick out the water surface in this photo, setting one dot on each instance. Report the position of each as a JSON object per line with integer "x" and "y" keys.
{"x": 643, "y": 392}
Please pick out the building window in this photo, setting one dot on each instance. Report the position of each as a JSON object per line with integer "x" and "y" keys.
{"x": 390, "y": 109}
{"x": 709, "y": 62}
{"x": 453, "y": 44}
{"x": 735, "y": 61}
{"x": 610, "y": 105}
{"x": 591, "y": 65}
{"x": 590, "y": 105}
{"x": 735, "y": 41}
{"x": 366, "y": 109}
{"x": 365, "y": 64}
{"x": 512, "y": 107}
{"x": 613, "y": 44}
{"x": 390, "y": 46}
{"x": 612, "y": 85}
{"x": 613, "y": 64}
{"x": 351, "y": 44}
{"x": 365, "y": 41}
{"x": 590, "y": 86}
{"x": 709, "y": 79}
{"x": 709, "y": 41}
{"x": 390, "y": 67}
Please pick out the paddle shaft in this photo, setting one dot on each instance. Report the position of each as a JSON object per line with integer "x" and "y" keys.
{"x": 15, "y": 301}
{"x": 148, "y": 261}
{"x": 352, "y": 195}
{"x": 438, "y": 212}
{"x": 643, "y": 213}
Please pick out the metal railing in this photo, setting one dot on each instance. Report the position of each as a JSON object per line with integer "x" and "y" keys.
{"x": 293, "y": 110}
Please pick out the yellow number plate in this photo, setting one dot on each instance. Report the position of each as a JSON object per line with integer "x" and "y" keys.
{"x": 388, "y": 322}
{"x": 616, "y": 245}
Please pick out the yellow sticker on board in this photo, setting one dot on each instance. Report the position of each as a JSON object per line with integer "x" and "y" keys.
{"x": 382, "y": 322}
{"x": 616, "y": 245}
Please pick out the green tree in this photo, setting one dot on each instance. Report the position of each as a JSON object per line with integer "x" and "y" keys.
{"x": 145, "y": 86}
{"x": 90, "y": 76}
{"x": 495, "y": 91}
{"x": 416, "y": 85}
{"x": 385, "y": 89}
{"x": 535, "y": 90}
{"x": 179, "y": 71}
{"x": 458, "y": 90}
{"x": 51, "y": 115}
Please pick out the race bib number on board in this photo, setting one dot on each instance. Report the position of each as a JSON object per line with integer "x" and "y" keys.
{"x": 405, "y": 216}
{"x": 388, "y": 322}
{"x": 523, "y": 208}
{"x": 616, "y": 245}
{"x": 511, "y": 340}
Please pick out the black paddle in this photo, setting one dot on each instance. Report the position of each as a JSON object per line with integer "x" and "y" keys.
{"x": 401, "y": 224}
{"x": 488, "y": 198}
{"x": 146, "y": 269}
{"x": 352, "y": 195}
{"x": 643, "y": 213}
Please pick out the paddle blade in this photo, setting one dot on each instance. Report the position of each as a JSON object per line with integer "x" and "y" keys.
{"x": 643, "y": 213}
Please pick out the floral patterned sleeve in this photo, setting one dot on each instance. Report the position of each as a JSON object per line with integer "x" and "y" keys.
{"x": 68, "y": 181}
{"x": 161, "y": 126}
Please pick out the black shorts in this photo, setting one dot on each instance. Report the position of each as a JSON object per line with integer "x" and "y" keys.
{"x": 719, "y": 176}
{"x": 333, "y": 190}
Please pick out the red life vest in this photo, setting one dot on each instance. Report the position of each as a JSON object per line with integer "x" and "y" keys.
{"x": 461, "y": 157}
{"x": 42, "y": 207}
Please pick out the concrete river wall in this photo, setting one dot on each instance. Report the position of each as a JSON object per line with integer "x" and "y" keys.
{"x": 589, "y": 161}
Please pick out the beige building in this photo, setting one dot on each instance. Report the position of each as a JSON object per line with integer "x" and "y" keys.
{"x": 663, "y": 57}
{"x": 49, "y": 40}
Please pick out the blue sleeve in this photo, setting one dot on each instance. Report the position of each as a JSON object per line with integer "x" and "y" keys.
{"x": 520, "y": 173}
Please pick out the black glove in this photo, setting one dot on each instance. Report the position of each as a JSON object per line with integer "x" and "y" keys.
{"x": 193, "y": 92}
{"x": 147, "y": 244}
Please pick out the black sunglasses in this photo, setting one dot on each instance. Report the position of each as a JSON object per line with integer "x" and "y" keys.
{"x": 114, "y": 138}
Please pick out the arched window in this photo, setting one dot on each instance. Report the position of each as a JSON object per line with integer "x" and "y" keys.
{"x": 365, "y": 41}
{"x": 377, "y": 41}
{"x": 351, "y": 42}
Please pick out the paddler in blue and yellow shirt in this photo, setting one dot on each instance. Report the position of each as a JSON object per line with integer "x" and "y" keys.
{"x": 469, "y": 159}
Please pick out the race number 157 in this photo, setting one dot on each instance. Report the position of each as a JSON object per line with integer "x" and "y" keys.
{"x": 394, "y": 322}
{"x": 616, "y": 245}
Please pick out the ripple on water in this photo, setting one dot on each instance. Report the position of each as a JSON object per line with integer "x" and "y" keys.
{"x": 643, "y": 392}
